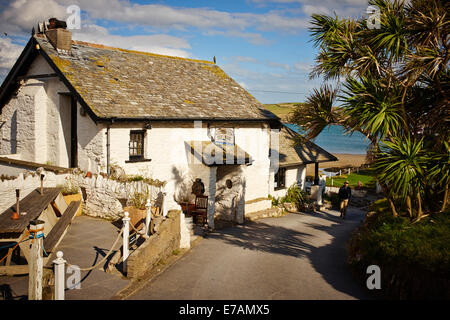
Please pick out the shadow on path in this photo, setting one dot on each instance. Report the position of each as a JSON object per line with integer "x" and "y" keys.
{"x": 329, "y": 260}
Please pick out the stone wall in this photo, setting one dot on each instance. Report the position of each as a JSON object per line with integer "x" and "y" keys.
{"x": 26, "y": 182}
{"x": 100, "y": 195}
{"x": 156, "y": 248}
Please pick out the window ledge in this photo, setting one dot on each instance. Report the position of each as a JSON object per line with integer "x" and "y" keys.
{"x": 279, "y": 188}
{"x": 138, "y": 160}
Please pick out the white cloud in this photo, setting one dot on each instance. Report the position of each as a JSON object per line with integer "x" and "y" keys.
{"x": 287, "y": 85}
{"x": 157, "y": 43}
{"x": 157, "y": 15}
{"x": 303, "y": 67}
{"x": 9, "y": 52}
{"x": 22, "y": 15}
{"x": 344, "y": 8}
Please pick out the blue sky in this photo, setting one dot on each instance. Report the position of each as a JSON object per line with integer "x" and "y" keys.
{"x": 262, "y": 44}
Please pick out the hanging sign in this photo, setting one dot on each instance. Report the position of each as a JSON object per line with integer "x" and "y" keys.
{"x": 224, "y": 136}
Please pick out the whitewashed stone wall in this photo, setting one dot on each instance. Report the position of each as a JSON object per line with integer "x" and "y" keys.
{"x": 101, "y": 194}
{"x": 229, "y": 203}
{"x": 26, "y": 183}
{"x": 91, "y": 144}
{"x": 17, "y": 133}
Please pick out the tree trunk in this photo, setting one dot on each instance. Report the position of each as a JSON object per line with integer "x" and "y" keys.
{"x": 408, "y": 206}
{"x": 392, "y": 205}
{"x": 391, "y": 202}
{"x": 419, "y": 206}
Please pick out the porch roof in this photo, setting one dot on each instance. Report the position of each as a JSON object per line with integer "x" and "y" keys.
{"x": 296, "y": 150}
{"x": 226, "y": 154}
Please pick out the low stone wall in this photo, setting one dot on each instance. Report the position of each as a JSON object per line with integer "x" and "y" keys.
{"x": 268, "y": 213}
{"x": 257, "y": 205}
{"x": 101, "y": 195}
{"x": 355, "y": 193}
{"x": 156, "y": 248}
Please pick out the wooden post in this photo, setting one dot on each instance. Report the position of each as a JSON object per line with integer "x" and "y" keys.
{"x": 17, "y": 201}
{"x": 42, "y": 183}
{"x": 126, "y": 235}
{"x": 60, "y": 271}
{"x": 36, "y": 262}
{"x": 148, "y": 218}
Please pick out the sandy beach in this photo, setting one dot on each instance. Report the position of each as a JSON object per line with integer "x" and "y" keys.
{"x": 345, "y": 160}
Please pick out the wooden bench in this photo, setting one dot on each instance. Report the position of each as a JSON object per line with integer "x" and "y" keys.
{"x": 57, "y": 232}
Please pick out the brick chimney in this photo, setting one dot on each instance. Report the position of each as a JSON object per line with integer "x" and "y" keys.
{"x": 58, "y": 35}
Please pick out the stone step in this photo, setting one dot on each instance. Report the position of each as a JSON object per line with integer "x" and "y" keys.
{"x": 268, "y": 213}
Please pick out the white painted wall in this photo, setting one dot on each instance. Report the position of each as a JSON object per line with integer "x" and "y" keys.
{"x": 295, "y": 174}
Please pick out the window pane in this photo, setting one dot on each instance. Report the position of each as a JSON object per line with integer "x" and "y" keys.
{"x": 136, "y": 148}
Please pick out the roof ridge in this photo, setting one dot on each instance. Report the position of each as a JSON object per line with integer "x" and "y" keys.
{"x": 102, "y": 46}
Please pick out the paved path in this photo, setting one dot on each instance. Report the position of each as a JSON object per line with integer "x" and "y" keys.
{"x": 85, "y": 244}
{"x": 298, "y": 256}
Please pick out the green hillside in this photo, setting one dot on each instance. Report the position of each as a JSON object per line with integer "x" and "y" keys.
{"x": 282, "y": 110}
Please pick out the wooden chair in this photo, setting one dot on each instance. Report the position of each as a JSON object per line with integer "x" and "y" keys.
{"x": 201, "y": 209}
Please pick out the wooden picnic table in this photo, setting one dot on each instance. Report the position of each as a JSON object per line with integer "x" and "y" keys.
{"x": 49, "y": 207}
{"x": 33, "y": 204}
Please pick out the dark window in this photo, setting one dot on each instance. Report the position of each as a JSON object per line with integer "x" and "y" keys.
{"x": 137, "y": 144}
{"x": 280, "y": 178}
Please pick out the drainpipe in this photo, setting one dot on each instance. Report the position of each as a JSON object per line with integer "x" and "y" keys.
{"x": 108, "y": 151}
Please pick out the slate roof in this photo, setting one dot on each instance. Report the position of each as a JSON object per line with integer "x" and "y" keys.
{"x": 295, "y": 150}
{"x": 119, "y": 83}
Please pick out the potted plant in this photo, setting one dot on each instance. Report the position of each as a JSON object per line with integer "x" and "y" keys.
{"x": 136, "y": 208}
{"x": 70, "y": 192}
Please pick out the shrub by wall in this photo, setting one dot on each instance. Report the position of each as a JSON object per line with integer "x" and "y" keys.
{"x": 414, "y": 258}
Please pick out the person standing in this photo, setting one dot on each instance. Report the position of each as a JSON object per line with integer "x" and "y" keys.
{"x": 345, "y": 194}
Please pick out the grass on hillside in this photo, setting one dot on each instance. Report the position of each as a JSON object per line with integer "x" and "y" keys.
{"x": 366, "y": 177}
{"x": 282, "y": 110}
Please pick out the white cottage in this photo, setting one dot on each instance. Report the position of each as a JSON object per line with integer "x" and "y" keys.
{"x": 76, "y": 104}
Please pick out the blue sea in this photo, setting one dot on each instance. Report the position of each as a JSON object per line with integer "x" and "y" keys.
{"x": 333, "y": 139}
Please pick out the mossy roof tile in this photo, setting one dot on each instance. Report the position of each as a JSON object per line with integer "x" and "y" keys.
{"x": 146, "y": 85}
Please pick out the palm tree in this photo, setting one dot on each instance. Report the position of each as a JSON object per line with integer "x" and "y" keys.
{"x": 393, "y": 88}
{"x": 401, "y": 164}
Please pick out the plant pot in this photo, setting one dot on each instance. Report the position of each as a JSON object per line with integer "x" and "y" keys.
{"x": 290, "y": 207}
{"x": 75, "y": 197}
{"x": 187, "y": 208}
{"x": 137, "y": 217}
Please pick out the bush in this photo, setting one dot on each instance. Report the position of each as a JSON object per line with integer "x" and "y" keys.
{"x": 333, "y": 198}
{"x": 414, "y": 257}
{"x": 139, "y": 199}
{"x": 275, "y": 201}
{"x": 296, "y": 196}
